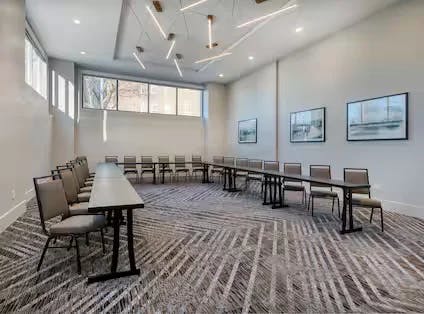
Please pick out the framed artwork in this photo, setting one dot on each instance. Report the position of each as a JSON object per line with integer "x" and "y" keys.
{"x": 378, "y": 119}
{"x": 307, "y": 126}
{"x": 247, "y": 131}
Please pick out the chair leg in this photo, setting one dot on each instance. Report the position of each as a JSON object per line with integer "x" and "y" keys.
{"x": 312, "y": 207}
{"x": 309, "y": 201}
{"x": 70, "y": 243}
{"x": 43, "y": 253}
{"x": 382, "y": 224}
{"x": 103, "y": 240}
{"x": 78, "y": 256}
{"x": 87, "y": 241}
{"x": 332, "y": 206}
{"x": 338, "y": 205}
{"x": 372, "y": 213}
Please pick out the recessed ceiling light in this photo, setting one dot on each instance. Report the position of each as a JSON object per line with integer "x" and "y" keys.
{"x": 82, "y": 52}
{"x": 299, "y": 29}
{"x": 268, "y": 15}
{"x": 221, "y": 75}
{"x": 76, "y": 21}
{"x": 251, "y": 57}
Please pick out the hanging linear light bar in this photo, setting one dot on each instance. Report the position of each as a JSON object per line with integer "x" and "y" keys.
{"x": 210, "y": 19}
{"x": 139, "y": 61}
{"x": 178, "y": 56}
{"x": 214, "y": 57}
{"x": 170, "y": 49}
{"x": 192, "y": 5}
{"x": 156, "y": 22}
{"x": 268, "y": 15}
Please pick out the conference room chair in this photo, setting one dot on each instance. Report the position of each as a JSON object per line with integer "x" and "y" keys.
{"x": 322, "y": 191}
{"x": 146, "y": 166}
{"x": 196, "y": 165}
{"x": 84, "y": 162}
{"x": 252, "y": 176}
{"x": 83, "y": 192}
{"x": 164, "y": 166}
{"x": 242, "y": 162}
{"x": 360, "y": 176}
{"x": 229, "y": 161}
{"x": 52, "y": 205}
{"x": 130, "y": 166}
{"x": 217, "y": 170}
{"x": 293, "y": 185}
{"x": 111, "y": 159}
{"x": 271, "y": 165}
{"x": 89, "y": 178}
{"x": 181, "y": 167}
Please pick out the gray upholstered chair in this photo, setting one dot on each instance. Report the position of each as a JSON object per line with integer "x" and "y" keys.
{"x": 253, "y": 176}
{"x": 164, "y": 166}
{"x": 84, "y": 162}
{"x": 317, "y": 190}
{"x": 293, "y": 168}
{"x": 130, "y": 166}
{"x": 217, "y": 170}
{"x": 271, "y": 165}
{"x": 196, "y": 164}
{"x": 84, "y": 192}
{"x": 180, "y": 166}
{"x": 111, "y": 159}
{"x": 52, "y": 204}
{"x": 242, "y": 162}
{"x": 147, "y": 165}
{"x": 360, "y": 176}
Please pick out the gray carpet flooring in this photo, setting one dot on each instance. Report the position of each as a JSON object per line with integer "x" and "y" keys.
{"x": 204, "y": 250}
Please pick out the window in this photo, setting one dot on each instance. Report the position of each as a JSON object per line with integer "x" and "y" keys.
{"x": 162, "y": 99}
{"x": 99, "y": 93}
{"x": 35, "y": 69}
{"x": 133, "y": 96}
{"x": 122, "y": 95}
{"x": 189, "y": 102}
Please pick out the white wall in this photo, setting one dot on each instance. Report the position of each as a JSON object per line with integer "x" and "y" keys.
{"x": 253, "y": 96}
{"x": 62, "y": 101}
{"x": 380, "y": 56}
{"x": 24, "y": 119}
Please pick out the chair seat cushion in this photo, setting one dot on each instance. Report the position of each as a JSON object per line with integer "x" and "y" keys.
{"x": 323, "y": 193}
{"x": 165, "y": 170}
{"x": 130, "y": 171}
{"x": 255, "y": 176}
{"x": 146, "y": 170}
{"x": 89, "y": 183}
{"x": 197, "y": 169}
{"x": 242, "y": 173}
{"x": 86, "y": 189}
{"x": 181, "y": 170}
{"x": 78, "y": 224}
{"x": 294, "y": 187}
{"x": 84, "y": 197}
{"x": 79, "y": 208}
{"x": 366, "y": 202}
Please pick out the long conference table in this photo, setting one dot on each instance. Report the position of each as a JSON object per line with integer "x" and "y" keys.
{"x": 112, "y": 192}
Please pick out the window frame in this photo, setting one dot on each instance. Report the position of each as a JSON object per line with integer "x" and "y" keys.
{"x": 35, "y": 48}
{"x": 177, "y": 87}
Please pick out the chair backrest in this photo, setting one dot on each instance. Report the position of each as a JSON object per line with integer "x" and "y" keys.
{"x": 196, "y": 161}
{"x": 164, "y": 160}
{"x": 180, "y": 161}
{"x": 81, "y": 158}
{"x": 272, "y": 165}
{"x": 229, "y": 161}
{"x": 242, "y": 162}
{"x": 113, "y": 159}
{"x": 218, "y": 159}
{"x": 147, "y": 162}
{"x": 69, "y": 185}
{"x": 292, "y": 168}
{"x": 51, "y": 198}
{"x": 255, "y": 163}
{"x": 358, "y": 176}
{"x": 84, "y": 168}
{"x": 129, "y": 162}
{"x": 321, "y": 172}
{"x": 79, "y": 175}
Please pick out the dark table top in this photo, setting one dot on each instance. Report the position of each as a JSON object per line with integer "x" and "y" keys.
{"x": 111, "y": 190}
{"x": 274, "y": 173}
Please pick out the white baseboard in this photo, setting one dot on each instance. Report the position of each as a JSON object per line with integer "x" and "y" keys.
{"x": 16, "y": 211}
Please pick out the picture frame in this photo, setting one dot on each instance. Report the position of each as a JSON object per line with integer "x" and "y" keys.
{"x": 247, "y": 131}
{"x": 308, "y": 126}
{"x": 382, "y": 118}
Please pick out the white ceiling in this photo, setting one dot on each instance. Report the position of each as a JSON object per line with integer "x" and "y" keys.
{"x": 110, "y": 30}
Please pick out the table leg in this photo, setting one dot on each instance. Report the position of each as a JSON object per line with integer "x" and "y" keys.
{"x": 233, "y": 185}
{"x": 154, "y": 173}
{"x": 115, "y": 253}
{"x": 280, "y": 202}
{"x": 224, "y": 174}
{"x": 163, "y": 173}
{"x": 266, "y": 186}
{"x": 347, "y": 204}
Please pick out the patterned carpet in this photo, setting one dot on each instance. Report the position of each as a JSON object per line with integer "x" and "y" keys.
{"x": 203, "y": 250}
